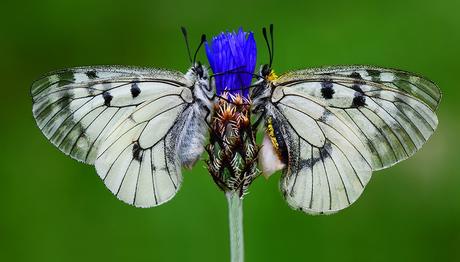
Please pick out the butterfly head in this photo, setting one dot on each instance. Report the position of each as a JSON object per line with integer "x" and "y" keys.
{"x": 199, "y": 71}
{"x": 265, "y": 70}
{"x": 267, "y": 73}
{"x": 262, "y": 88}
{"x": 200, "y": 74}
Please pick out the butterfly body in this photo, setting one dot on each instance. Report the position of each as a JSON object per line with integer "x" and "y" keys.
{"x": 196, "y": 127}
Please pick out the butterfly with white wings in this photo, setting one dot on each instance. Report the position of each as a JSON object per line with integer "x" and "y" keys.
{"x": 326, "y": 128}
{"x": 329, "y": 128}
{"x": 137, "y": 126}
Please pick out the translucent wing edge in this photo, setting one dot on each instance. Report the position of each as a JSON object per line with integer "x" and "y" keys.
{"x": 117, "y": 69}
{"x": 308, "y": 72}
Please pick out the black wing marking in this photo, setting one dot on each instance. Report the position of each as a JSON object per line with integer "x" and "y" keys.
{"x": 76, "y": 108}
{"x": 412, "y": 84}
{"x": 324, "y": 178}
{"x": 139, "y": 161}
{"x": 340, "y": 123}
{"x": 391, "y": 123}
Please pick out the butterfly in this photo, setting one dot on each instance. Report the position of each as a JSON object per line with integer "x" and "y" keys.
{"x": 137, "y": 126}
{"x": 329, "y": 128}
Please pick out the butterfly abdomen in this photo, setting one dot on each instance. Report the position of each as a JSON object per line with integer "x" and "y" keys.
{"x": 190, "y": 144}
{"x": 277, "y": 140}
{"x": 273, "y": 155}
{"x": 192, "y": 140}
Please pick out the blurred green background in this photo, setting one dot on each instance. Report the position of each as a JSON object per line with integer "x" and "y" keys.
{"x": 56, "y": 209}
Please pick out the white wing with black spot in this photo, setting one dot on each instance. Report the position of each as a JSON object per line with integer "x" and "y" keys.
{"x": 139, "y": 161}
{"x": 412, "y": 84}
{"x": 75, "y": 108}
{"x": 339, "y": 124}
{"x": 327, "y": 166}
{"x": 392, "y": 112}
{"x": 132, "y": 124}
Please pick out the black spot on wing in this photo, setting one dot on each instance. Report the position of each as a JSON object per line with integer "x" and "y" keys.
{"x": 327, "y": 89}
{"x": 135, "y": 90}
{"x": 310, "y": 162}
{"x": 107, "y": 98}
{"x": 357, "y": 88}
{"x": 136, "y": 151}
{"x": 359, "y": 100}
{"x": 65, "y": 78}
{"x": 325, "y": 116}
{"x": 355, "y": 75}
{"x": 327, "y": 83}
{"x": 91, "y": 74}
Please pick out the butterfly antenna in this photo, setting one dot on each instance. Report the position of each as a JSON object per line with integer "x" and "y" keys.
{"x": 273, "y": 44}
{"x": 203, "y": 39}
{"x": 184, "y": 32}
{"x": 264, "y": 32}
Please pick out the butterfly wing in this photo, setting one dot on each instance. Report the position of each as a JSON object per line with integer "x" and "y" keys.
{"x": 391, "y": 111}
{"x": 339, "y": 124}
{"x": 75, "y": 108}
{"x": 412, "y": 84}
{"x": 129, "y": 122}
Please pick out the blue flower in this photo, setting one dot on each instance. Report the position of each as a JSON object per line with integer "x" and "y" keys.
{"x": 232, "y": 56}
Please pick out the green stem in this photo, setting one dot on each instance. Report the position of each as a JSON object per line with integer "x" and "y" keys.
{"x": 235, "y": 216}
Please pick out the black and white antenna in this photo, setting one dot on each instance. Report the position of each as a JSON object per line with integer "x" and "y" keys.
{"x": 203, "y": 39}
{"x": 271, "y": 49}
{"x": 184, "y": 32}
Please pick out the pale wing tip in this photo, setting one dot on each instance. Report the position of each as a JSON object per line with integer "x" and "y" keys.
{"x": 143, "y": 204}
{"x": 152, "y": 202}
{"x": 309, "y": 211}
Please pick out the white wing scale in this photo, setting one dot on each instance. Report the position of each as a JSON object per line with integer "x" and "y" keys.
{"x": 130, "y": 123}
{"x": 389, "y": 119}
{"x": 340, "y": 123}
{"x": 324, "y": 178}
{"x": 75, "y": 108}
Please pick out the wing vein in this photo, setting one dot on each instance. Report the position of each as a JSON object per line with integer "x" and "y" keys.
{"x": 327, "y": 179}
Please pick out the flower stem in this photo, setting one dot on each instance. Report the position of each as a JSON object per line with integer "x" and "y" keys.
{"x": 235, "y": 216}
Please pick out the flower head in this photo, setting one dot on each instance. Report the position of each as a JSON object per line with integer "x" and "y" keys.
{"x": 233, "y": 151}
{"x": 232, "y": 57}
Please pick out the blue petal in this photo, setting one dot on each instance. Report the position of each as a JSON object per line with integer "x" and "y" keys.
{"x": 233, "y": 57}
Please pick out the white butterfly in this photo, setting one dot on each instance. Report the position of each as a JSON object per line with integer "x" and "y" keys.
{"x": 326, "y": 128}
{"x": 137, "y": 126}
{"x": 329, "y": 128}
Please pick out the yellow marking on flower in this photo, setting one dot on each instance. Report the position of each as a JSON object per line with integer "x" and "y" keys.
{"x": 272, "y": 76}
